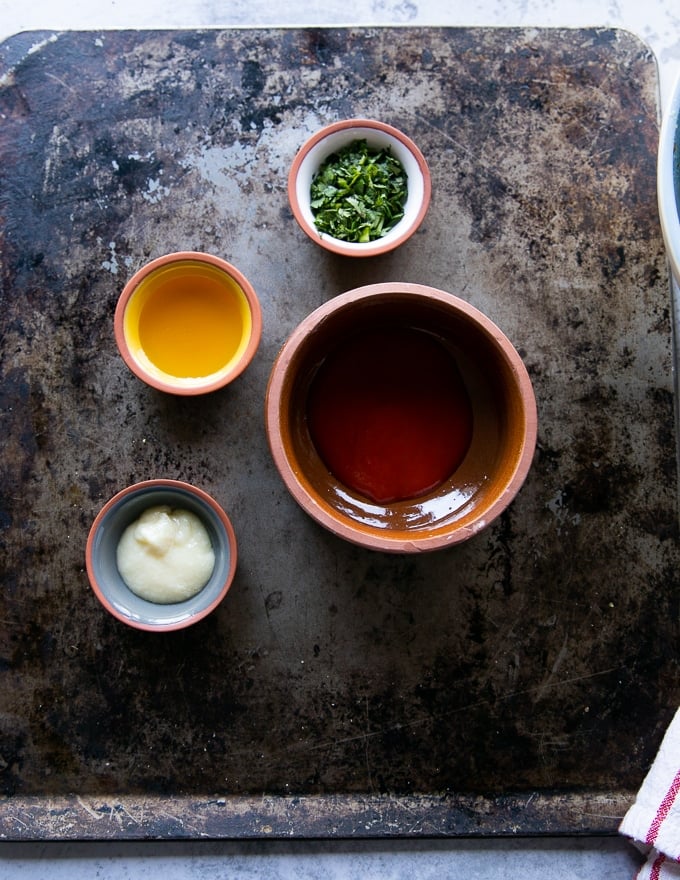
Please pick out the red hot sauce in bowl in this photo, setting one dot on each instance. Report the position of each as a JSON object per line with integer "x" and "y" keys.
{"x": 389, "y": 414}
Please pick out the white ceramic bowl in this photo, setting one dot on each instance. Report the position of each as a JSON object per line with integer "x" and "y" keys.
{"x": 668, "y": 179}
{"x": 107, "y": 529}
{"x": 378, "y": 135}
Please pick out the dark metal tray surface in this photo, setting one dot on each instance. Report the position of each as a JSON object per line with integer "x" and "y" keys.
{"x": 519, "y": 683}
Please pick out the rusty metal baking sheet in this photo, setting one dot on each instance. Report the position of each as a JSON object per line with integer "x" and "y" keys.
{"x": 519, "y": 683}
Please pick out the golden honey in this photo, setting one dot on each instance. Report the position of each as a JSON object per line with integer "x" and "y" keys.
{"x": 189, "y": 320}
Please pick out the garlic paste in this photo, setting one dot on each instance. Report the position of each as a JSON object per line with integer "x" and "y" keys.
{"x": 166, "y": 555}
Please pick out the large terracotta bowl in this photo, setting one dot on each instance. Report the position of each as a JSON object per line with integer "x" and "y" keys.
{"x": 503, "y": 411}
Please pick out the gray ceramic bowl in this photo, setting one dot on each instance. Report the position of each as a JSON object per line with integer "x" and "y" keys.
{"x": 102, "y": 543}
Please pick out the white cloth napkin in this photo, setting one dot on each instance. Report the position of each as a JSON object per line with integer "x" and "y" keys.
{"x": 653, "y": 822}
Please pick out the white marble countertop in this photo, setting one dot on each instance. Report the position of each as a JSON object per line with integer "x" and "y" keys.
{"x": 657, "y": 22}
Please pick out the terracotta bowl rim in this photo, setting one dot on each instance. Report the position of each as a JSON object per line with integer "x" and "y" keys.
{"x": 130, "y": 491}
{"x": 199, "y": 388}
{"x": 341, "y": 526}
{"x": 380, "y": 246}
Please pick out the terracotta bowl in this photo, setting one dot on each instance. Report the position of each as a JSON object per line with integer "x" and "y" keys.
{"x": 502, "y": 412}
{"x": 378, "y": 135}
{"x": 188, "y": 323}
{"x": 107, "y": 529}
{"x": 668, "y": 179}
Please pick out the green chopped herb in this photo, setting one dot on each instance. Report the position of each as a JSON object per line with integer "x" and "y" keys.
{"x": 359, "y": 194}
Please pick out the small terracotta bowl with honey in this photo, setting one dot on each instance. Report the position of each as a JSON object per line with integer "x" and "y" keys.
{"x": 188, "y": 323}
{"x": 401, "y": 418}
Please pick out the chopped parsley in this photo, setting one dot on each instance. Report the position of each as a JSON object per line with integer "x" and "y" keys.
{"x": 359, "y": 194}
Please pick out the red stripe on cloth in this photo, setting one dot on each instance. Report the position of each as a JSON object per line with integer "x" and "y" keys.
{"x": 664, "y": 810}
{"x": 656, "y": 867}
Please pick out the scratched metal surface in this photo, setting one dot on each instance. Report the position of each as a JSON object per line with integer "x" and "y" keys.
{"x": 518, "y": 683}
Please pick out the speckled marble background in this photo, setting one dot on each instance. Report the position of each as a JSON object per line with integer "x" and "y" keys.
{"x": 659, "y": 24}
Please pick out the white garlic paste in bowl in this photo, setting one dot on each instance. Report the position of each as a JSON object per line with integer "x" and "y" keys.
{"x": 166, "y": 555}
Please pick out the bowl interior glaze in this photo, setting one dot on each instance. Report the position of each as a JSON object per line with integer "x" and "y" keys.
{"x": 504, "y": 420}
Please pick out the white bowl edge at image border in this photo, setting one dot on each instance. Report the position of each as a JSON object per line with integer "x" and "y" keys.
{"x": 666, "y": 192}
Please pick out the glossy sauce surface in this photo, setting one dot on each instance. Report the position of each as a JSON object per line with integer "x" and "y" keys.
{"x": 389, "y": 414}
